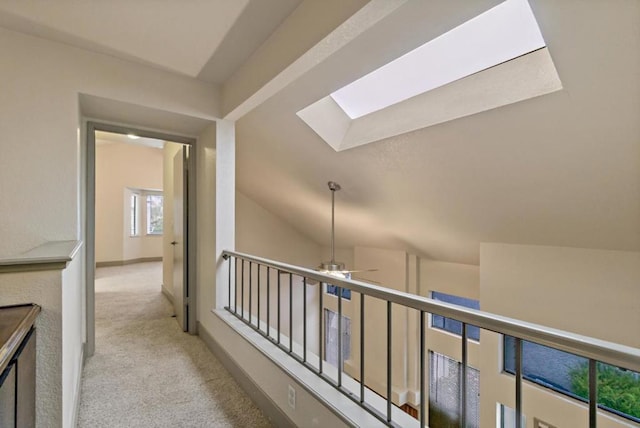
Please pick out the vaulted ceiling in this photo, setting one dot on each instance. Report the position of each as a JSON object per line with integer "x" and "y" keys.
{"x": 561, "y": 169}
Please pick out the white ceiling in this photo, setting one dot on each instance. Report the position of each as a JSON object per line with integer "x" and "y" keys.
{"x": 103, "y": 137}
{"x": 180, "y": 36}
{"x": 108, "y": 110}
{"x": 561, "y": 169}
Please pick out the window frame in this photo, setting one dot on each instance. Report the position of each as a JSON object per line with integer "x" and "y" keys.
{"x": 332, "y": 290}
{"x": 444, "y": 318}
{"x": 134, "y": 214}
{"x": 548, "y": 385}
{"x": 345, "y": 336}
{"x": 138, "y": 212}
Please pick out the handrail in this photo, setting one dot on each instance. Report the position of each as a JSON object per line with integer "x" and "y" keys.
{"x": 607, "y": 352}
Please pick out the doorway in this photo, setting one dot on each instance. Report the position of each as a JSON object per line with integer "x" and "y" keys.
{"x": 139, "y": 215}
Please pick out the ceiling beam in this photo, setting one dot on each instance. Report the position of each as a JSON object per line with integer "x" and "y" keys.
{"x": 313, "y": 32}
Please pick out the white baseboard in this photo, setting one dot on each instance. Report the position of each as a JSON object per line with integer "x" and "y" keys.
{"x": 128, "y": 262}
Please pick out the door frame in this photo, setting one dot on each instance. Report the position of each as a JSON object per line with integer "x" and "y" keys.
{"x": 190, "y": 257}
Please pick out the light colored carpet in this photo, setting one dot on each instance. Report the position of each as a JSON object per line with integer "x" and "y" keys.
{"x": 148, "y": 373}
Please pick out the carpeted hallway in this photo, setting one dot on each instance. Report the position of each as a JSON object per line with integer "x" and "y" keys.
{"x": 146, "y": 372}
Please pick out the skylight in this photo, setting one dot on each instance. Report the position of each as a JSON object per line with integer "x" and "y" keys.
{"x": 500, "y": 34}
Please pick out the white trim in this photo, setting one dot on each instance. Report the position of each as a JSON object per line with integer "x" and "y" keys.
{"x": 520, "y": 79}
{"x": 343, "y": 407}
{"x": 89, "y": 127}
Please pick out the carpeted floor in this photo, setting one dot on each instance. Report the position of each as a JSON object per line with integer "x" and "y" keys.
{"x": 148, "y": 373}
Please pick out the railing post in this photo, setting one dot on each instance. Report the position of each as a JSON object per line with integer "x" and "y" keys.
{"x": 304, "y": 319}
{"x": 320, "y": 313}
{"x": 591, "y": 349}
{"x": 290, "y": 312}
{"x": 339, "y": 337}
{"x": 268, "y": 301}
{"x": 518, "y": 382}
{"x": 229, "y": 294}
{"x": 278, "y": 325}
{"x": 362, "y": 323}
{"x": 593, "y": 393}
{"x": 423, "y": 397}
{"x": 242, "y": 288}
{"x": 250, "y": 288}
{"x": 389, "y": 366}
{"x": 463, "y": 381}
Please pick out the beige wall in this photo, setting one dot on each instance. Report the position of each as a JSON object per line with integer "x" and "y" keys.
{"x": 405, "y": 272}
{"x": 391, "y": 272}
{"x": 260, "y": 233}
{"x": 119, "y": 168}
{"x": 590, "y": 292}
{"x": 516, "y": 282}
{"x": 452, "y": 278}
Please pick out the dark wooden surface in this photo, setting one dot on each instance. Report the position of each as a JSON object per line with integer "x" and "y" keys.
{"x": 15, "y": 324}
{"x": 25, "y": 363}
{"x": 17, "y": 366}
{"x": 8, "y": 397}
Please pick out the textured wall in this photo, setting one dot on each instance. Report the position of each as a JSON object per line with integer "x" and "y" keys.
{"x": 45, "y": 289}
{"x": 40, "y": 166}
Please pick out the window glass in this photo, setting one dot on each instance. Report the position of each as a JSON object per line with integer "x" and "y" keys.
{"x": 333, "y": 289}
{"x": 154, "y": 214}
{"x": 451, "y": 325}
{"x": 618, "y": 389}
{"x": 444, "y": 392}
{"x": 507, "y": 417}
{"x": 332, "y": 335}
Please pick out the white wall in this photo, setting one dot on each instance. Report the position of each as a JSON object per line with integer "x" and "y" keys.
{"x": 45, "y": 289}
{"x": 72, "y": 339}
{"x": 40, "y": 166}
{"x": 40, "y": 82}
{"x": 590, "y": 292}
{"x": 206, "y": 221}
{"x": 119, "y": 168}
{"x": 59, "y": 338}
{"x": 260, "y": 233}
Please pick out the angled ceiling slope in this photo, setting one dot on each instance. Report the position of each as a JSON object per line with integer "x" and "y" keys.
{"x": 202, "y": 39}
